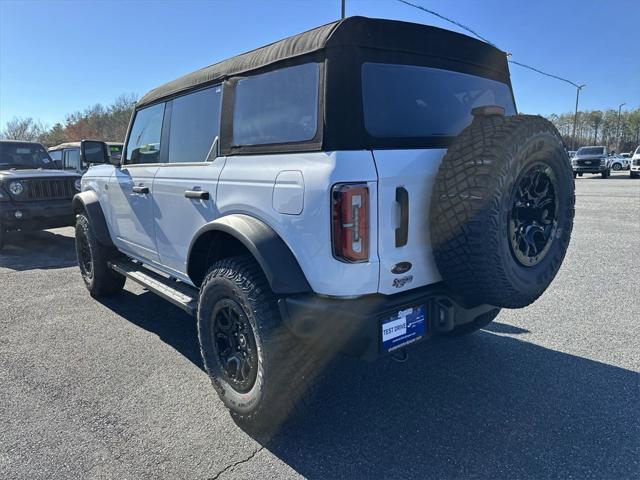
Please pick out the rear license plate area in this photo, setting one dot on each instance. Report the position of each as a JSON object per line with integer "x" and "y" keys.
{"x": 403, "y": 328}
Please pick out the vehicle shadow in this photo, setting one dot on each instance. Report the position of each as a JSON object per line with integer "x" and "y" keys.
{"x": 486, "y": 406}
{"x": 48, "y": 249}
{"x": 497, "y": 327}
{"x": 483, "y": 406}
{"x": 150, "y": 312}
{"x": 620, "y": 175}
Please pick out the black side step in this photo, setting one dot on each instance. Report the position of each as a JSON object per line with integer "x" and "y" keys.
{"x": 180, "y": 294}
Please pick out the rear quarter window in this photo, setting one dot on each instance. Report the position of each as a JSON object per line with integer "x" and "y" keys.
{"x": 277, "y": 107}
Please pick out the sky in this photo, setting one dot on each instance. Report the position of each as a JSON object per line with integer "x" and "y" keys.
{"x": 58, "y": 57}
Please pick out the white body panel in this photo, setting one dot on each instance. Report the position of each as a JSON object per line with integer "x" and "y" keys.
{"x": 634, "y": 164}
{"x": 98, "y": 182}
{"x": 247, "y": 186}
{"x": 131, "y": 214}
{"x": 291, "y": 194}
{"x": 177, "y": 219}
{"x": 415, "y": 170}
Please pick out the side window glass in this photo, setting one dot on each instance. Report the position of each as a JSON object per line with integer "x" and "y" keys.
{"x": 115, "y": 152}
{"x": 195, "y": 123}
{"x": 56, "y": 156}
{"x": 72, "y": 159}
{"x": 144, "y": 140}
{"x": 277, "y": 107}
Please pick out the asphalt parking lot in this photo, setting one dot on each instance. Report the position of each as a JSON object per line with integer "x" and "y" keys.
{"x": 115, "y": 389}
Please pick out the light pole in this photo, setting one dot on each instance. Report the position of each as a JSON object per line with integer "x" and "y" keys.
{"x": 342, "y": 11}
{"x": 575, "y": 115}
{"x": 618, "y": 128}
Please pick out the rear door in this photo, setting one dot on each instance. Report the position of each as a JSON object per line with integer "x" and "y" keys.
{"x": 416, "y": 105}
{"x": 405, "y": 183}
{"x": 184, "y": 188}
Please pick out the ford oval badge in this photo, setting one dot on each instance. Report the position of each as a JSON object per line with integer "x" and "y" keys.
{"x": 401, "y": 267}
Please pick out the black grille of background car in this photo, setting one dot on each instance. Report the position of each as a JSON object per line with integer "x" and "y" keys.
{"x": 588, "y": 163}
{"x": 49, "y": 189}
{"x": 636, "y": 162}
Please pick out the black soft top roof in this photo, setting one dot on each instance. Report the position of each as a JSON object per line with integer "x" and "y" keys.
{"x": 377, "y": 34}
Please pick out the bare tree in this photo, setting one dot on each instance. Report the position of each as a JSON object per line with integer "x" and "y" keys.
{"x": 26, "y": 129}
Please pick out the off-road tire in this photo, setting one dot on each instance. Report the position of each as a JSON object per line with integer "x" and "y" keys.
{"x": 633, "y": 175}
{"x": 606, "y": 174}
{"x": 286, "y": 366}
{"x": 100, "y": 280}
{"x": 575, "y": 174}
{"x": 478, "y": 323}
{"x": 471, "y": 202}
{"x": 2, "y": 235}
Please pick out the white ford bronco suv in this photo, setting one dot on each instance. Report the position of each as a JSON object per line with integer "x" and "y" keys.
{"x": 357, "y": 188}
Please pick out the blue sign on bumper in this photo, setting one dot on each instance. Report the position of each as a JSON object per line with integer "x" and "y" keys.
{"x": 405, "y": 327}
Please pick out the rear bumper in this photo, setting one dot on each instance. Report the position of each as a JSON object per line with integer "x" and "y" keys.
{"x": 36, "y": 215}
{"x": 354, "y": 325}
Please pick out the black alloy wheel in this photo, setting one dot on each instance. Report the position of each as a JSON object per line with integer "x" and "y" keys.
{"x": 236, "y": 344}
{"x": 534, "y": 212}
{"x": 85, "y": 259}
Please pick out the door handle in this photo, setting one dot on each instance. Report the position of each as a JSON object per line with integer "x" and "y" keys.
{"x": 141, "y": 189}
{"x": 402, "y": 232}
{"x": 197, "y": 194}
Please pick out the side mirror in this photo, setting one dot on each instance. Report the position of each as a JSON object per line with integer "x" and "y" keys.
{"x": 94, "y": 151}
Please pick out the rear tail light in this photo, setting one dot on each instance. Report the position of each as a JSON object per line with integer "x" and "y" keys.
{"x": 350, "y": 222}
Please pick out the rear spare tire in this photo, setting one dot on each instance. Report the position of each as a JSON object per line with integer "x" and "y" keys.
{"x": 502, "y": 210}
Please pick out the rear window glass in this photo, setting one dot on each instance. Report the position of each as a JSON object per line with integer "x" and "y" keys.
{"x": 277, "y": 107}
{"x": 412, "y": 101}
{"x": 195, "y": 123}
{"x": 591, "y": 151}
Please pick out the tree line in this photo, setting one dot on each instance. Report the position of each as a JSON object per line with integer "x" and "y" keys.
{"x": 100, "y": 122}
{"x": 598, "y": 127}
{"x": 109, "y": 123}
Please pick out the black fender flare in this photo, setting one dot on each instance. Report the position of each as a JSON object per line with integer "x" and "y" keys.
{"x": 88, "y": 202}
{"x": 271, "y": 252}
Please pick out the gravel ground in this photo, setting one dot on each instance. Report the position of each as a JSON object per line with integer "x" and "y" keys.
{"x": 115, "y": 389}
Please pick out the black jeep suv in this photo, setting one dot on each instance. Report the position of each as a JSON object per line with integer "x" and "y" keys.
{"x": 34, "y": 195}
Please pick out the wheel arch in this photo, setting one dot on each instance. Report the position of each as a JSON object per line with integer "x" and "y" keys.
{"x": 89, "y": 203}
{"x": 238, "y": 234}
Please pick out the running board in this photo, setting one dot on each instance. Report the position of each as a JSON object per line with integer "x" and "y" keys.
{"x": 180, "y": 294}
